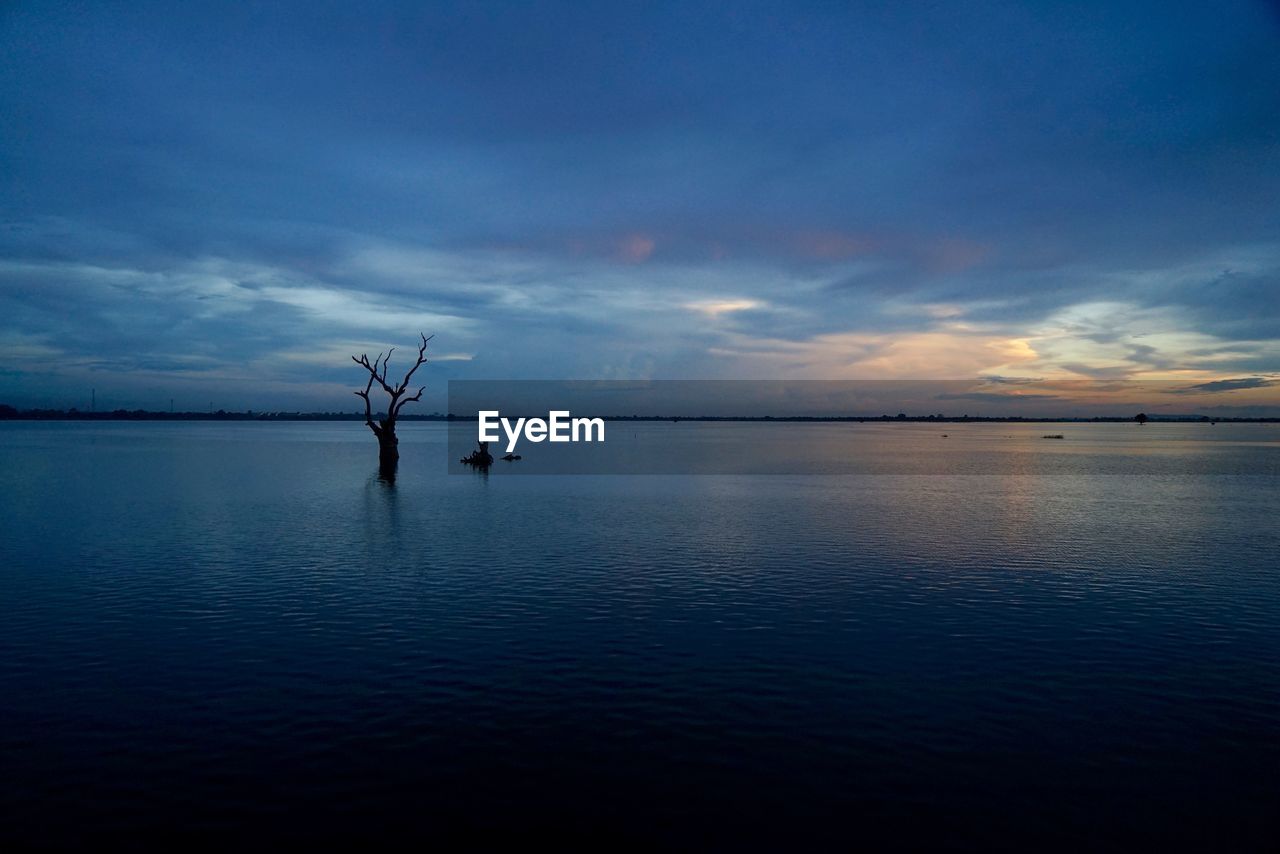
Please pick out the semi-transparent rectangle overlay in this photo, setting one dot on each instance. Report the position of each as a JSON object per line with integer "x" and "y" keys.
{"x": 988, "y": 426}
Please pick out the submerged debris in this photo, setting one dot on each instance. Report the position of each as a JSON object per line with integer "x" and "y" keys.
{"x": 479, "y": 458}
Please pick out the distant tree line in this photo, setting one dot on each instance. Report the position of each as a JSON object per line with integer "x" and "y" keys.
{"x": 11, "y": 413}
{"x": 8, "y": 412}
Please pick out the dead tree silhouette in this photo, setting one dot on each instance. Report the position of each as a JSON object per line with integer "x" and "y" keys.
{"x": 385, "y": 428}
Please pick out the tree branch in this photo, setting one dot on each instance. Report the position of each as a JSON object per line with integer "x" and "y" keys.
{"x": 416, "y": 397}
{"x": 375, "y": 374}
{"x": 378, "y": 373}
{"x": 368, "y": 407}
{"x": 422, "y": 360}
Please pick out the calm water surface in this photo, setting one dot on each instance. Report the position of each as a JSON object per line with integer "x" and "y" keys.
{"x": 215, "y": 630}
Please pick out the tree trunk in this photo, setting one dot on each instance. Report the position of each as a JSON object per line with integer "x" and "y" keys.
{"x": 388, "y": 445}
{"x": 388, "y": 453}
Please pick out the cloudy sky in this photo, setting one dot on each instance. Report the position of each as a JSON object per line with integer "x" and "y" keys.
{"x": 217, "y": 204}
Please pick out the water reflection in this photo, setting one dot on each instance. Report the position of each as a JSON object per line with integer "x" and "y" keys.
{"x": 204, "y": 620}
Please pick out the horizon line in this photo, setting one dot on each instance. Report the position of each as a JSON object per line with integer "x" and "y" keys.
{"x": 10, "y": 413}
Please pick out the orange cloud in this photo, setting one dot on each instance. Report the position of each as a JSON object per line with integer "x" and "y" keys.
{"x": 941, "y": 354}
{"x": 636, "y": 248}
{"x": 833, "y": 245}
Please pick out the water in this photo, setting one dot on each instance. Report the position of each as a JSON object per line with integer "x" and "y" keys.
{"x": 220, "y": 631}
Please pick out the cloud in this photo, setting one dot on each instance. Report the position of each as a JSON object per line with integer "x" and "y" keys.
{"x": 715, "y": 308}
{"x": 1220, "y": 386}
{"x": 997, "y": 397}
{"x": 999, "y": 380}
{"x": 560, "y": 190}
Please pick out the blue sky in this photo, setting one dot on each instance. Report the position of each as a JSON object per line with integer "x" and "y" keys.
{"x": 218, "y": 204}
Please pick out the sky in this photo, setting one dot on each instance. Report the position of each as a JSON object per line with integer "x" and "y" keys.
{"x": 216, "y": 204}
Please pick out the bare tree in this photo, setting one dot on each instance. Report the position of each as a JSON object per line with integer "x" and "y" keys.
{"x": 385, "y": 428}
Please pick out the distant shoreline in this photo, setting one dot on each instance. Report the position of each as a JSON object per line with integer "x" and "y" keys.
{"x": 8, "y": 413}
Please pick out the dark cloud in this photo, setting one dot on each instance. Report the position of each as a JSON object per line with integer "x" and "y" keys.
{"x": 1218, "y": 386}
{"x": 998, "y": 380}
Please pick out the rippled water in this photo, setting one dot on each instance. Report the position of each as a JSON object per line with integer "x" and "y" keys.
{"x": 218, "y": 630}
